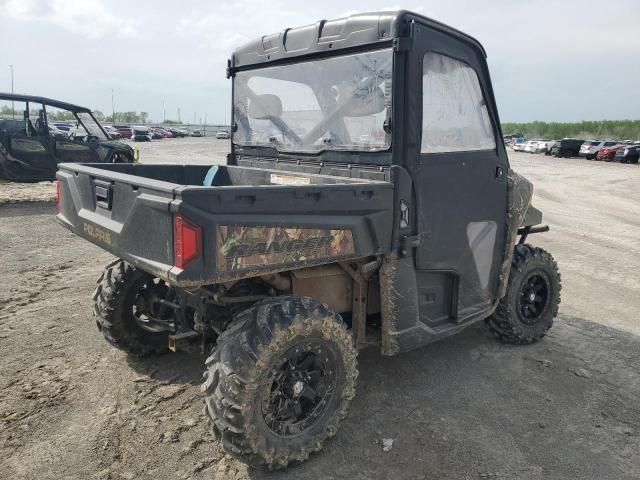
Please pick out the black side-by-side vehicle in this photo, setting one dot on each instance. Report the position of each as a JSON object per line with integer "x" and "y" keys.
{"x": 32, "y": 145}
{"x": 367, "y": 200}
{"x": 567, "y": 147}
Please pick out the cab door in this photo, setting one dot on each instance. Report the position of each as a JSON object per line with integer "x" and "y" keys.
{"x": 460, "y": 180}
{"x": 30, "y": 149}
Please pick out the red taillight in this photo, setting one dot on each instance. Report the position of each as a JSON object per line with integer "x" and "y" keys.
{"x": 59, "y": 195}
{"x": 187, "y": 241}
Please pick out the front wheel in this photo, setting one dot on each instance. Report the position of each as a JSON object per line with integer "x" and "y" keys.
{"x": 526, "y": 312}
{"x": 279, "y": 381}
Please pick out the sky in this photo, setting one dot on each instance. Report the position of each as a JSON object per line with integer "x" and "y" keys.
{"x": 550, "y": 60}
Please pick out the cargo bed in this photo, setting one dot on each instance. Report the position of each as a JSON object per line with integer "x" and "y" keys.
{"x": 241, "y": 220}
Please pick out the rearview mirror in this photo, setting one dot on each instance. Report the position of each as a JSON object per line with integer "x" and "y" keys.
{"x": 364, "y": 105}
{"x": 264, "y": 107}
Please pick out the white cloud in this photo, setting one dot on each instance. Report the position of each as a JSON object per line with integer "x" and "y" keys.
{"x": 89, "y": 18}
{"x": 236, "y": 22}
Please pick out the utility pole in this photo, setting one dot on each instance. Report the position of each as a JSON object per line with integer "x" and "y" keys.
{"x": 113, "y": 108}
{"x": 164, "y": 113}
{"x": 179, "y": 121}
{"x": 13, "y": 107}
{"x": 204, "y": 128}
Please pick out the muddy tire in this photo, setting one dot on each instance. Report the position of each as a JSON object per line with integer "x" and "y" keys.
{"x": 115, "y": 296}
{"x": 279, "y": 381}
{"x": 526, "y": 312}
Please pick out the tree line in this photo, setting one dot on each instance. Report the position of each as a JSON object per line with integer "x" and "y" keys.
{"x": 600, "y": 129}
{"x": 7, "y": 111}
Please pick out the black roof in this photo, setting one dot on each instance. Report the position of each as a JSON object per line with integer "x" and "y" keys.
{"x": 46, "y": 101}
{"x": 329, "y": 35}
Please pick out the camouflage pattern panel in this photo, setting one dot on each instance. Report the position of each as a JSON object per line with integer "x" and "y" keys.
{"x": 241, "y": 247}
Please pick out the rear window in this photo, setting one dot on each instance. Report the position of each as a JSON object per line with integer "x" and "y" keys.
{"x": 610, "y": 144}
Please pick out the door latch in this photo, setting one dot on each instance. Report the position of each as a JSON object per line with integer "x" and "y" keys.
{"x": 499, "y": 172}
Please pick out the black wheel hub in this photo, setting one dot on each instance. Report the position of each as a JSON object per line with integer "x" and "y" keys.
{"x": 534, "y": 298}
{"x": 149, "y": 311}
{"x": 302, "y": 384}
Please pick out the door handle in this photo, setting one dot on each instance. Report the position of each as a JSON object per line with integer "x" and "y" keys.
{"x": 499, "y": 172}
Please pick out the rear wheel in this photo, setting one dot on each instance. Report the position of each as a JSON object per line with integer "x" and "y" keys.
{"x": 526, "y": 312}
{"x": 279, "y": 381}
{"x": 129, "y": 312}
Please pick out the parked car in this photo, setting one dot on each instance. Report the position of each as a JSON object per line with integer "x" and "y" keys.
{"x": 518, "y": 145}
{"x": 183, "y": 132}
{"x": 566, "y": 148}
{"x": 78, "y": 132}
{"x": 628, "y": 154}
{"x": 176, "y": 132}
{"x": 163, "y": 131}
{"x": 113, "y": 133}
{"x": 530, "y": 146}
{"x": 124, "y": 130}
{"x": 155, "y": 134}
{"x": 196, "y": 133}
{"x": 590, "y": 148}
{"x": 31, "y": 147}
{"x": 141, "y": 134}
{"x": 222, "y": 134}
{"x": 550, "y": 145}
{"x": 608, "y": 153}
{"x": 535, "y": 146}
{"x": 57, "y": 133}
{"x": 64, "y": 126}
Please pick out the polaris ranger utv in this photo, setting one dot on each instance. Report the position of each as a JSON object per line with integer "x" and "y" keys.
{"x": 367, "y": 200}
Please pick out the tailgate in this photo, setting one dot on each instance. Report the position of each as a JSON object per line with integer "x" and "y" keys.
{"x": 126, "y": 215}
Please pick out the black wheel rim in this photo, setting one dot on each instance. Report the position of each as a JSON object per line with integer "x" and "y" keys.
{"x": 149, "y": 311}
{"x": 300, "y": 388}
{"x": 534, "y": 298}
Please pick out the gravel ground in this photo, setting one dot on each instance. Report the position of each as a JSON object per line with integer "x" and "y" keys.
{"x": 467, "y": 407}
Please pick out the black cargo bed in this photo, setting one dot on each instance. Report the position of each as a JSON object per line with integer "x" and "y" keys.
{"x": 129, "y": 210}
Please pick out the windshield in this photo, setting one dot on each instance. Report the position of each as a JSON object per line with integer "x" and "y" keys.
{"x": 337, "y": 103}
{"x": 91, "y": 125}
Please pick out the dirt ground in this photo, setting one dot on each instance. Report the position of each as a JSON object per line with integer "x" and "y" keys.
{"x": 465, "y": 408}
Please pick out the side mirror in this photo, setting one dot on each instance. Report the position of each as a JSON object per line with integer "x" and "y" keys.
{"x": 263, "y": 107}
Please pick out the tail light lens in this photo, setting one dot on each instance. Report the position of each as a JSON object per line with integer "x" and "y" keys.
{"x": 187, "y": 241}
{"x": 59, "y": 195}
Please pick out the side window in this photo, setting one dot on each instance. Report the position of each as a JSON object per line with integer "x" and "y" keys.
{"x": 454, "y": 113}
